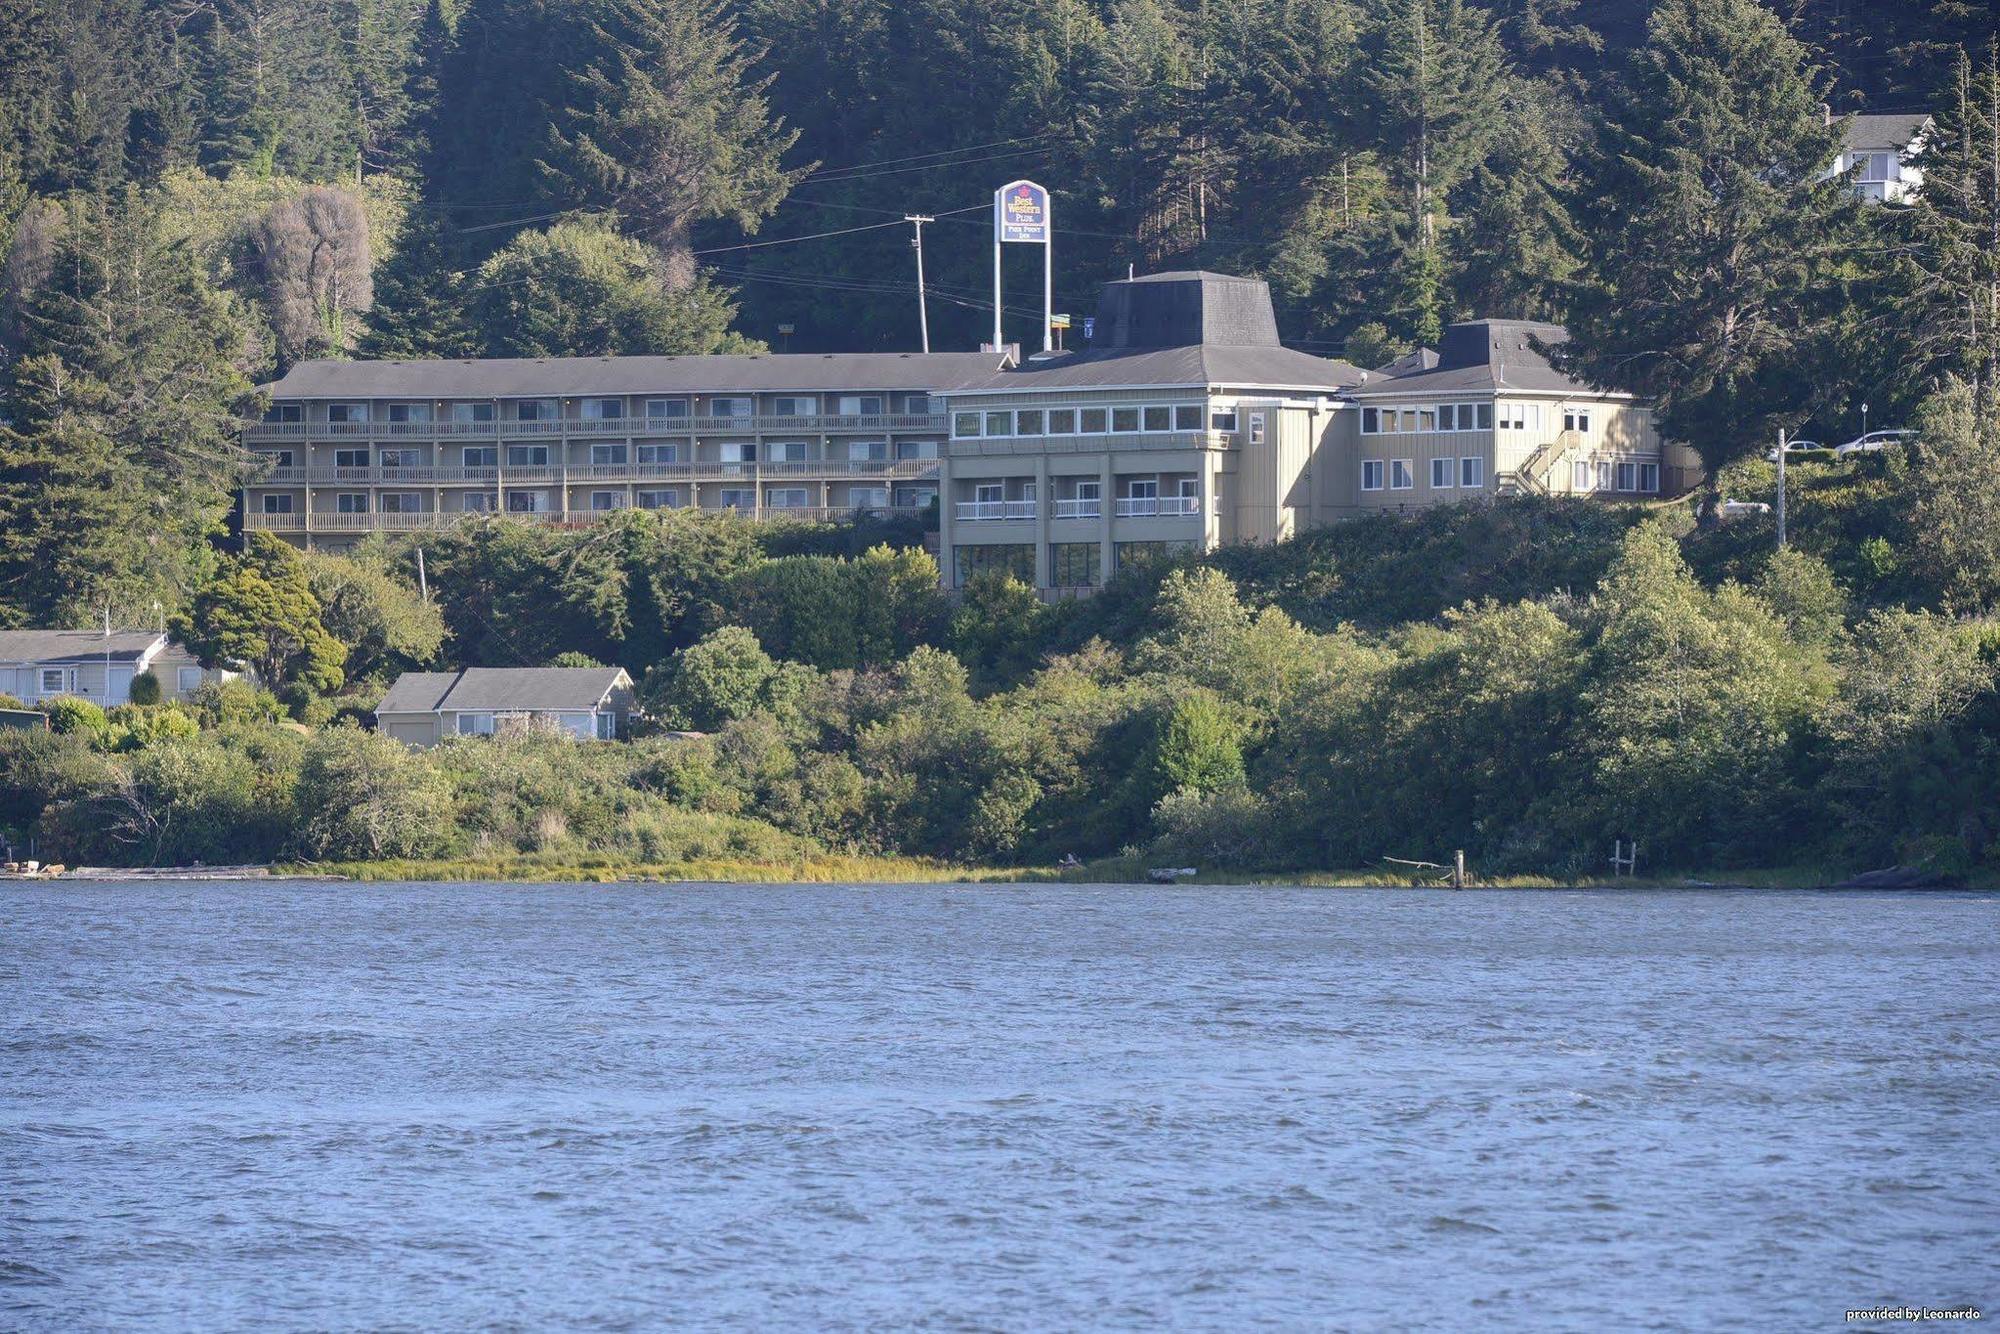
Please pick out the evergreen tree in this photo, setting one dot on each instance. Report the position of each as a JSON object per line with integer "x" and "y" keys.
{"x": 420, "y": 302}
{"x": 261, "y": 611}
{"x": 1950, "y": 308}
{"x": 1712, "y": 226}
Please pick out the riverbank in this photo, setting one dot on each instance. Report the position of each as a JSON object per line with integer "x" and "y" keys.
{"x": 827, "y": 869}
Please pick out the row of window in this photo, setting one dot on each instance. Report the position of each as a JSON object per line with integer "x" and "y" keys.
{"x": 614, "y": 409}
{"x": 65, "y": 680}
{"x": 1071, "y": 564}
{"x": 1446, "y": 474}
{"x": 537, "y": 456}
{"x": 1603, "y": 475}
{"x": 1185, "y": 488}
{"x": 536, "y": 502}
{"x": 604, "y": 725}
{"x": 1470, "y": 417}
{"x": 1137, "y": 419}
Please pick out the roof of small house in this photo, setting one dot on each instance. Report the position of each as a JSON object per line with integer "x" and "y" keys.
{"x": 78, "y": 646}
{"x": 1487, "y": 356}
{"x": 1884, "y": 129}
{"x": 503, "y": 690}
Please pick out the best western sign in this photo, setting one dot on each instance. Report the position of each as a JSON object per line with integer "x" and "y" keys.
{"x": 1021, "y": 213}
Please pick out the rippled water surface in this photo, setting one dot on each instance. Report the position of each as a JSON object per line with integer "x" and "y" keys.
{"x": 296, "y": 1105}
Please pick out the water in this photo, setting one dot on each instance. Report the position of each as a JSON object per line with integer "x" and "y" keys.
{"x": 293, "y": 1105}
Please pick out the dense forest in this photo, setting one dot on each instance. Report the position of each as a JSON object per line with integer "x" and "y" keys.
{"x": 195, "y": 195}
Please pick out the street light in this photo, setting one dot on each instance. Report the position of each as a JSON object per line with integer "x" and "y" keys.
{"x": 1864, "y": 419}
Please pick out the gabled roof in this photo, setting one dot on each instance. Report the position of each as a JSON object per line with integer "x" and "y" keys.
{"x": 1885, "y": 129}
{"x": 1487, "y": 356}
{"x": 78, "y": 646}
{"x": 503, "y": 690}
{"x": 1195, "y": 367}
{"x": 559, "y": 377}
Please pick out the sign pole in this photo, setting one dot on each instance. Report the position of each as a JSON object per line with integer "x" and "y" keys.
{"x": 1049, "y": 293}
{"x": 1021, "y": 216}
{"x": 997, "y": 344}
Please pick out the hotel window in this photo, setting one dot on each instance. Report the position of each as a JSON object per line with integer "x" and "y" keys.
{"x": 1604, "y": 475}
{"x": 917, "y": 405}
{"x": 1089, "y": 491}
{"x": 1187, "y": 417}
{"x": 1485, "y": 416}
{"x": 475, "y": 724}
{"x": 1577, "y": 419}
{"x": 1222, "y": 419}
{"x": 527, "y": 502}
{"x": 787, "y": 451}
{"x": 1427, "y": 419}
{"x": 1371, "y": 421}
{"x": 1448, "y": 417}
{"x": 602, "y": 455}
{"x": 601, "y": 501}
{"x": 535, "y": 410}
{"x": 527, "y": 456}
{"x": 1579, "y": 476}
{"x": 1256, "y": 428}
{"x": 401, "y": 458}
{"x": 1092, "y": 421}
{"x": 285, "y": 412}
{"x": 1028, "y": 422}
{"x": 1147, "y": 490}
{"x": 965, "y": 425}
{"x": 479, "y": 502}
{"x": 351, "y": 502}
{"x": 481, "y": 456}
{"x": 659, "y": 409}
{"x": 999, "y": 423}
{"x": 1628, "y": 477}
{"x": 1073, "y": 564}
{"x": 277, "y": 458}
{"x": 659, "y": 453}
{"x": 350, "y": 458}
{"x": 868, "y": 451}
{"x": 1401, "y": 477}
{"x": 737, "y": 500}
{"x": 868, "y": 497}
{"x": 731, "y": 407}
{"x": 988, "y": 493}
{"x": 277, "y": 504}
{"x": 1159, "y": 419}
{"x": 860, "y": 405}
{"x": 1371, "y": 474}
{"x": 472, "y": 412}
{"x": 1513, "y": 417}
{"x": 1649, "y": 477}
{"x": 402, "y": 502}
{"x": 793, "y": 406}
{"x": 409, "y": 412}
{"x": 1472, "y": 472}
{"x": 916, "y": 449}
{"x": 1441, "y": 470}
{"x": 739, "y": 451}
{"x": 659, "y": 500}
{"x": 1062, "y": 421}
{"x": 1124, "y": 421}
{"x": 603, "y": 409}
{"x": 347, "y": 412}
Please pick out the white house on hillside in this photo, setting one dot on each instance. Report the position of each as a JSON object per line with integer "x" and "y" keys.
{"x": 1880, "y": 145}
{"x": 423, "y": 708}
{"x": 37, "y": 665}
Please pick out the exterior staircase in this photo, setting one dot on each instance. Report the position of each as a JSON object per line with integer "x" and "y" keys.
{"x": 1532, "y": 477}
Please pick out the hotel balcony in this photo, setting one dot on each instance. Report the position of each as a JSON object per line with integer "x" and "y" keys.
{"x": 994, "y": 511}
{"x": 1148, "y": 507}
{"x": 265, "y": 433}
{"x": 525, "y": 475}
{"x": 1083, "y": 507}
{"x": 431, "y": 520}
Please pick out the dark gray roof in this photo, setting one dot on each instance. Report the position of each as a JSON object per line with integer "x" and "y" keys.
{"x": 558, "y": 377}
{"x": 1423, "y": 359}
{"x": 1483, "y": 356}
{"x": 1174, "y": 368}
{"x": 501, "y": 689}
{"x": 1884, "y": 129}
{"x": 1184, "y": 310}
{"x": 76, "y": 645}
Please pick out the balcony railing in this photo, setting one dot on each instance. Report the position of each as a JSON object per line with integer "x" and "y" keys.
{"x": 523, "y": 474}
{"x": 1128, "y": 442}
{"x": 1148, "y": 507}
{"x": 321, "y": 522}
{"x": 1081, "y": 508}
{"x": 267, "y": 432}
{"x": 983, "y": 511}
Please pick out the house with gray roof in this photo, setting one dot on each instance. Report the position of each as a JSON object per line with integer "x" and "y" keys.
{"x": 1878, "y": 149}
{"x": 423, "y": 708}
{"x": 39, "y": 665}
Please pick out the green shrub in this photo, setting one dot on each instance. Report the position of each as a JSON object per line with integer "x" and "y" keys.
{"x": 236, "y": 701}
{"x": 145, "y": 689}
{"x": 68, "y": 714}
{"x": 9, "y": 702}
{"x": 136, "y": 727}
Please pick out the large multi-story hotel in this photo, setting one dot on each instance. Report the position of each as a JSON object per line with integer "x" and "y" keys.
{"x": 1183, "y": 422}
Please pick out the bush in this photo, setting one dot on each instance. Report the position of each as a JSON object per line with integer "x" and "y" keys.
{"x": 137, "y": 727}
{"x": 9, "y": 702}
{"x": 219, "y": 703}
{"x": 68, "y": 714}
{"x": 361, "y": 795}
{"x": 145, "y": 689}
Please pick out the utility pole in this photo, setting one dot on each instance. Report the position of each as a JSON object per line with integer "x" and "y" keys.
{"x": 1781, "y": 488}
{"x": 923, "y": 314}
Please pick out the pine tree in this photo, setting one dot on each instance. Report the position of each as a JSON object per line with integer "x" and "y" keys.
{"x": 1950, "y": 308}
{"x": 420, "y": 301}
{"x": 1713, "y": 227}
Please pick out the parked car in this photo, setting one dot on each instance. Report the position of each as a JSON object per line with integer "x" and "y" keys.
{"x": 1794, "y": 448}
{"x": 1741, "y": 509}
{"x": 1875, "y": 441}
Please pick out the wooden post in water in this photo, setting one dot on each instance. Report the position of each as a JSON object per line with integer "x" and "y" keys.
{"x": 1458, "y": 870}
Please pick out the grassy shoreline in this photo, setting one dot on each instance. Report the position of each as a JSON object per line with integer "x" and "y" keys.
{"x": 530, "y": 869}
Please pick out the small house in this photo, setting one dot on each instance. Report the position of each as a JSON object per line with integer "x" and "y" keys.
{"x": 38, "y": 665}
{"x": 423, "y": 708}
